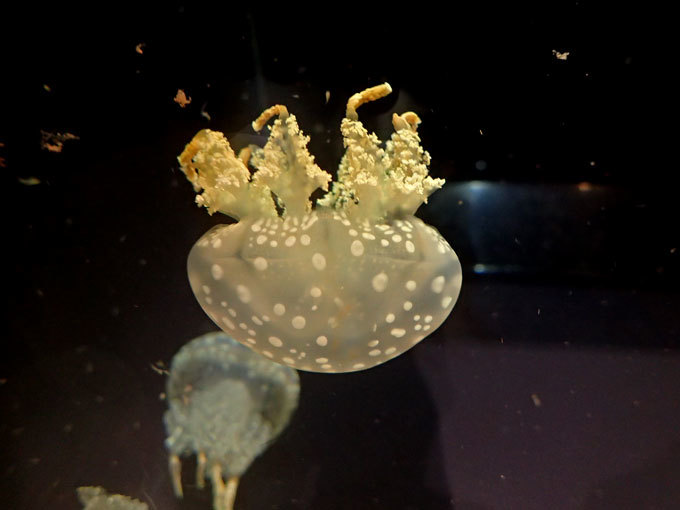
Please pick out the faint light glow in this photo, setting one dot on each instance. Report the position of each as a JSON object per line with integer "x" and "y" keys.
{"x": 480, "y": 269}
{"x": 585, "y": 186}
{"x": 480, "y": 165}
{"x": 477, "y": 186}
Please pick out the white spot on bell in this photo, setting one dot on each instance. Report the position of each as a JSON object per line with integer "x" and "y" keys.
{"x": 357, "y": 248}
{"x": 260, "y": 263}
{"x": 437, "y": 284}
{"x": 298, "y": 322}
{"x": 319, "y": 261}
{"x": 217, "y": 271}
{"x": 243, "y": 293}
{"x": 379, "y": 282}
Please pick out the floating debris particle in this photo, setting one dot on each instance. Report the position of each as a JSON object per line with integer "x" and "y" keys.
{"x": 27, "y": 181}
{"x": 204, "y": 113}
{"x": 160, "y": 368}
{"x": 47, "y": 88}
{"x": 537, "y": 401}
{"x": 140, "y": 48}
{"x": 328, "y": 96}
{"x": 560, "y": 55}
{"x": 54, "y": 142}
{"x": 181, "y": 98}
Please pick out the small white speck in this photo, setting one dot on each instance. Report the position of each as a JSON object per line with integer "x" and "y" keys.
{"x": 410, "y": 247}
{"x": 319, "y": 262}
{"x": 260, "y": 263}
{"x": 359, "y": 365}
{"x": 268, "y": 354}
{"x": 374, "y": 352}
{"x": 437, "y": 284}
{"x": 408, "y": 305}
{"x": 384, "y": 242}
{"x": 322, "y": 341}
{"x": 217, "y": 271}
{"x": 396, "y": 238}
{"x": 389, "y": 318}
{"x": 446, "y": 301}
{"x": 261, "y": 239}
{"x": 357, "y": 248}
{"x": 290, "y": 241}
{"x": 305, "y": 240}
{"x": 368, "y": 235}
{"x": 228, "y": 322}
{"x": 289, "y": 361}
{"x": 298, "y": 322}
{"x": 205, "y": 289}
{"x": 373, "y": 343}
{"x": 275, "y": 341}
{"x": 256, "y": 320}
{"x": 321, "y": 360}
{"x": 379, "y": 282}
{"x": 243, "y": 293}
{"x": 398, "y": 332}
{"x": 352, "y": 232}
{"x": 410, "y": 285}
{"x": 217, "y": 243}
{"x": 390, "y": 350}
{"x": 279, "y": 309}
{"x": 315, "y": 292}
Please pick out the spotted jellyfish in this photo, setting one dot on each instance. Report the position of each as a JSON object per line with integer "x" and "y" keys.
{"x": 226, "y": 405}
{"x": 341, "y": 287}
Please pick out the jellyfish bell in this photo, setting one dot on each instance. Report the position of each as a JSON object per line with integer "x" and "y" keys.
{"x": 341, "y": 287}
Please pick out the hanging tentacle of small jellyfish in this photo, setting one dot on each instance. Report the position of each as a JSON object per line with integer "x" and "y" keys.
{"x": 226, "y": 405}
{"x": 341, "y": 287}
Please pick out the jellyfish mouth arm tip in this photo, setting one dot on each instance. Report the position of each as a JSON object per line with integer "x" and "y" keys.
{"x": 175, "y": 465}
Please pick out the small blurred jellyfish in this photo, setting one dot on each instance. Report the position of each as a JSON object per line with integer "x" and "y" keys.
{"x": 345, "y": 286}
{"x": 96, "y": 498}
{"x": 226, "y": 405}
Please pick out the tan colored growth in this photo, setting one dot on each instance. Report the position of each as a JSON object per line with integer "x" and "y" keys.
{"x": 272, "y": 111}
{"x": 370, "y": 94}
{"x": 374, "y": 181}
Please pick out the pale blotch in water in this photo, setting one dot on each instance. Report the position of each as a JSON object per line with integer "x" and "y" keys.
{"x": 226, "y": 404}
{"x": 96, "y": 498}
{"x": 345, "y": 286}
